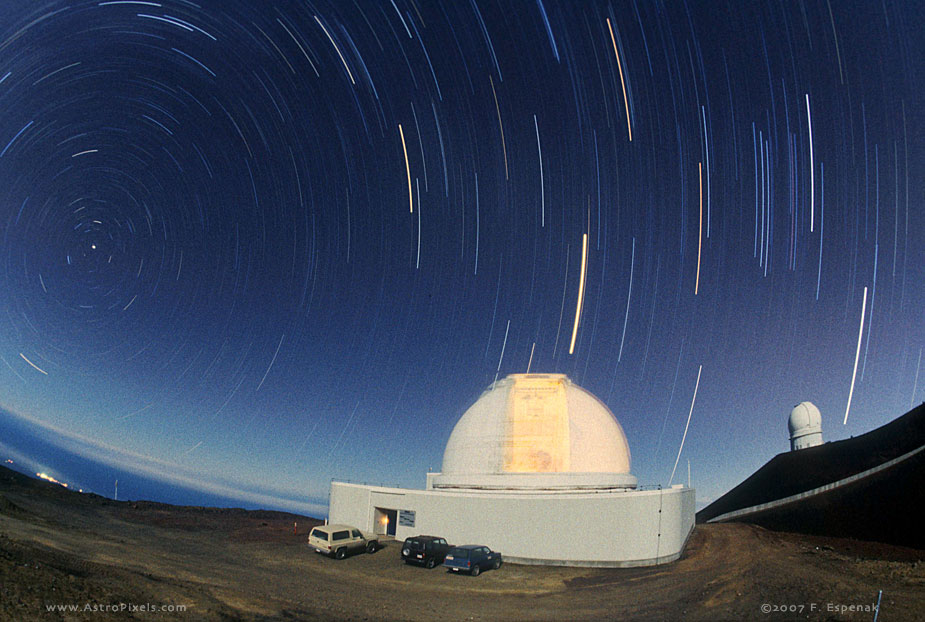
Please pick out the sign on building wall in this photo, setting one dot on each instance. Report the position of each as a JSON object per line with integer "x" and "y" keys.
{"x": 406, "y": 518}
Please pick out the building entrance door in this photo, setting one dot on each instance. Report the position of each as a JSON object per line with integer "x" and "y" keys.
{"x": 386, "y": 520}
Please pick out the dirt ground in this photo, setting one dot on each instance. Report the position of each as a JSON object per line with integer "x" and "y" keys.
{"x": 148, "y": 561}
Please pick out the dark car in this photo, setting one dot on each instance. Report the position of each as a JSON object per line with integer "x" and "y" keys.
{"x": 425, "y": 550}
{"x": 472, "y": 558}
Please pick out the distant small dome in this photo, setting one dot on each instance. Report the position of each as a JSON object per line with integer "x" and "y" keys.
{"x": 536, "y": 431}
{"x": 805, "y": 425}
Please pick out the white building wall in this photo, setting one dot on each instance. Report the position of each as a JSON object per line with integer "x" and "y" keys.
{"x": 628, "y": 528}
{"x": 806, "y": 440}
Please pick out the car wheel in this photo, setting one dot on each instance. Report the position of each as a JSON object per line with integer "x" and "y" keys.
{"x": 475, "y": 571}
{"x": 340, "y": 553}
{"x": 430, "y": 563}
{"x": 371, "y": 547}
{"x": 497, "y": 564}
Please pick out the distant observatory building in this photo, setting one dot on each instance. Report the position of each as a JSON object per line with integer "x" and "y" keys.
{"x": 539, "y": 469}
{"x": 864, "y": 487}
{"x": 805, "y": 426}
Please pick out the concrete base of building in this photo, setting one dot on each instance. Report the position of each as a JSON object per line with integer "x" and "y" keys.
{"x": 606, "y": 528}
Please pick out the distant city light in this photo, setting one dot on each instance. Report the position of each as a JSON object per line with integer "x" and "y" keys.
{"x": 49, "y": 478}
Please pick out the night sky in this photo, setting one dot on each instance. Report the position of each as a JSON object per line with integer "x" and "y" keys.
{"x": 247, "y": 247}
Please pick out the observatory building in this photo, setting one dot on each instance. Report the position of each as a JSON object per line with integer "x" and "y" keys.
{"x": 539, "y": 469}
{"x": 805, "y": 425}
{"x": 860, "y": 487}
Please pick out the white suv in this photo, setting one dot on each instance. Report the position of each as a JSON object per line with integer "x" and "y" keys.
{"x": 338, "y": 540}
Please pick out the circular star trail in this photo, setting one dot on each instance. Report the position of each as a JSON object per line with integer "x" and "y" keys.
{"x": 260, "y": 245}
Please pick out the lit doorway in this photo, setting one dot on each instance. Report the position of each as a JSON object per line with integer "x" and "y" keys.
{"x": 386, "y": 520}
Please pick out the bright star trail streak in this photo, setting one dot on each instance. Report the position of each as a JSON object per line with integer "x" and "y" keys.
{"x": 336, "y": 49}
{"x": 37, "y": 368}
{"x": 757, "y": 194}
{"x": 344, "y": 430}
{"x": 915, "y": 383}
{"x": 404, "y": 149}
{"x": 629, "y": 295}
{"x": 494, "y": 310}
{"x": 299, "y": 44}
{"x": 841, "y": 73}
{"x": 706, "y": 163}
{"x": 769, "y": 220}
{"x": 539, "y": 150}
{"x": 503, "y": 346}
{"x": 812, "y": 169}
{"x": 821, "y": 224}
{"x": 403, "y": 22}
{"x": 700, "y": 226}
{"x": 478, "y": 227}
{"x": 626, "y": 105}
{"x": 417, "y": 129}
{"x": 13, "y": 140}
{"x": 417, "y": 261}
{"x": 555, "y": 346}
{"x": 273, "y": 360}
{"x": 581, "y": 290}
{"x": 552, "y": 40}
{"x": 857, "y": 356}
{"x": 686, "y": 426}
{"x": 500, "y": 125}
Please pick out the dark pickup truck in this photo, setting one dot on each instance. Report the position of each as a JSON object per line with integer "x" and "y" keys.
{"x": 425, "y": 550}
{"x": 472, "y": 558}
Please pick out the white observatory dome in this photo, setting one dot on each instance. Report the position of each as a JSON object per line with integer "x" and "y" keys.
{"x": 805, "y": 426}
{"x": 536, "y": 432}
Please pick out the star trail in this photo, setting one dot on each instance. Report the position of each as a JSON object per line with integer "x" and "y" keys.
{"x": 247, "y": 247}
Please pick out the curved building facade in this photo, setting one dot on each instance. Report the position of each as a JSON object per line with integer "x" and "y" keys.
{"x": 536, "y": 432}
{"x": 539, "y": 469}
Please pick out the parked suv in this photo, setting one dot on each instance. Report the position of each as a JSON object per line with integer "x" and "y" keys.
{"x": 426, "y": 550}
{"x": 338, "y": 540}
{"x": 472, "y": 558}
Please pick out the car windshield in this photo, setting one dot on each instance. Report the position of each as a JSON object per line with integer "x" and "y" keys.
{"x": 317, "y": 533}
{"x": 460, "y": 553}
{"x": 414, "y": 544}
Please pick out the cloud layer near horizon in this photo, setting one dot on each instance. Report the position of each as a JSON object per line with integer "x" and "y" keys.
{"x": 159, "y": 470}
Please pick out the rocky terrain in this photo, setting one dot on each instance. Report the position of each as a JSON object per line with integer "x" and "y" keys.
{"x": 66, "y": 555}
